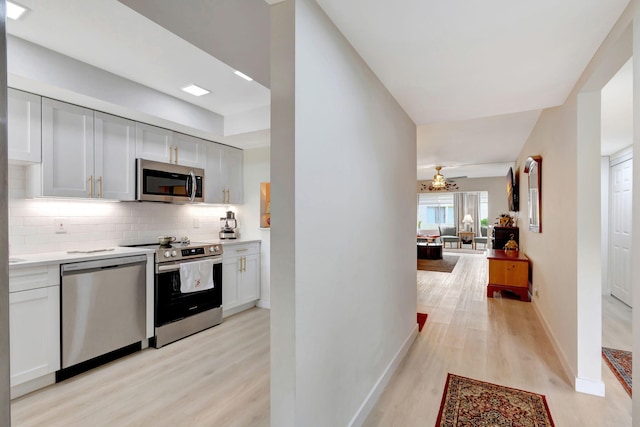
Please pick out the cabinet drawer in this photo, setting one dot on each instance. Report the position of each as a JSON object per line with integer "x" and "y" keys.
{"x": 33, "y": 278}
{"x": 241, "y": 249}
{"x": 512, "y": 273}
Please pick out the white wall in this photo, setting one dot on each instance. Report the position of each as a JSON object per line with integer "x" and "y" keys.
{"x": 566, "y": 256}
{"x": 257, "y": 169}
{"x": 604, "y": 223}
{"x": 39, "y": 70}
{"x": 343, "y": 195}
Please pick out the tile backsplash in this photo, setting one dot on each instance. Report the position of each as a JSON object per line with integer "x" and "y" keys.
{"x": 90, "y": 224}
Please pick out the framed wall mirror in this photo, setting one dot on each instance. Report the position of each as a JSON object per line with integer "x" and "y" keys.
{"x": 532, "y": 168}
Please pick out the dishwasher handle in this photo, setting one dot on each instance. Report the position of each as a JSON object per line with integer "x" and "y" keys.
{"x": 102, "y": 264}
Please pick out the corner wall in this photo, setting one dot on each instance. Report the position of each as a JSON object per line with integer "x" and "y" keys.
{"x": 566, "y": 257}
{"x": 343, "y": 194}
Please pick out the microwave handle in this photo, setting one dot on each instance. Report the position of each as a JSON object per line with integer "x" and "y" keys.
{"x": 192, "y": 197}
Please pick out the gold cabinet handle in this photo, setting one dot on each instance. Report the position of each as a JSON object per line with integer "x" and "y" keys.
{"x": 176, "y": 148}
{"x": 244, "y": 258}
{"x": 100, "y": 186}
{"x": 242, "y": 250}
{"x": 224, "y": 194}
{"x": 90, "y": 185}
{"x": 240, "y": 264}
{"x": 228, "y": 196}
{"x": 171, "y": 154}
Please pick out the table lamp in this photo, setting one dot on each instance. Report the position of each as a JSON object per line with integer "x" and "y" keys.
{"x": 467, "y": 221}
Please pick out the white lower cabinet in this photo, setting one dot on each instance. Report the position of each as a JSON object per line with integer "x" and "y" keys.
{"x": 34, "y": 324}
{"x": 240, "y": 277}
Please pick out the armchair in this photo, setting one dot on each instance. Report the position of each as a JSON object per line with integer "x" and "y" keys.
{"x": 482, "y": 238}
{"x": 449, "y": 235}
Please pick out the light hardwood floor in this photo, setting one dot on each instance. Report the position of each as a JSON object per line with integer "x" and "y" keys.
{"x": 490, "y": 339}
{"x": 220, "y": 377}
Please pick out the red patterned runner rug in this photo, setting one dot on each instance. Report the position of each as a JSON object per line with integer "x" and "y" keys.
{"x": 619, "y": 361}
{"x": 469, "y": 402}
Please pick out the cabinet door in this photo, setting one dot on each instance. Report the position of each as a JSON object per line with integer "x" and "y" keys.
{"x": 250, "y": 288}
{"x": 230, "y": 282}
{"x": 154, "y": 143}
{"x": 24, "y": 126}
{"x": 67, "y": 150}
{"x": 214, "y": 190}
{"x": 115, "y": 157}
{"x": 188, "y": 150}
{"x": 508, "y": 273}
{"x": 233, "y": 172}
{"x": 34, "y": 322}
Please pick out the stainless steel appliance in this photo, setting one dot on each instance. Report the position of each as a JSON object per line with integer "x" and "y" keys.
{"x": 103, "y": 307}
{"x": 166, "y": 182}
{"x": 179, "y": 314}
{"x": 228, "y": 226}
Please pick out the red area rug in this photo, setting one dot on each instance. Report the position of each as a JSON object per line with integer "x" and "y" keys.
{"x": 619, "y": 362}
{"x": 468, "y": 402}
{"x": 422, "y": 318}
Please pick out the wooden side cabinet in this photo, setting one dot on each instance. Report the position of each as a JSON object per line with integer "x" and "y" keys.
{"x": 508, "y": 271}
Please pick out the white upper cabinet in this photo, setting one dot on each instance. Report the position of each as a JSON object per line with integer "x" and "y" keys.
{"x": 224, "y": 175}
{"x": 115, "y": 157}
{"x": 214, "y": 186}
{"x": 85, "y": 156}
{"x": 23, "y": 123}
{"x": 163, "y": 145}
{"x": 154, "y": 143}
{"x": 188, "y": 150}
{"x": 233, "y": 175}
{"x": 67, "y": 150}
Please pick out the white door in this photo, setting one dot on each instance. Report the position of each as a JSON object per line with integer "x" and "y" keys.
{"x": 214, "y": 190}
{"x": 620, "y": 231}
{"x": 233, "y": 171}
{"x": 115, "y": 157}
{"x": 67, "y": 150}
{"x": 188, "y": 150}
{"x": 154, "y": 143}
{"x": 23, "y": 126}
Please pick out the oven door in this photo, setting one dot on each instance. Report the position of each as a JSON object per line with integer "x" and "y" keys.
{"x": 172, "y": 305}
{"x": 165, "y": 182}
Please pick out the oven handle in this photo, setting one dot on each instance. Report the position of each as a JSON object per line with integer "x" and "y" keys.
{"x": 175, "y": 267}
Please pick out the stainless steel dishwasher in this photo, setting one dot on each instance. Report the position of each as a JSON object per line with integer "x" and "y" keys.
{"x": 103, "y": 307}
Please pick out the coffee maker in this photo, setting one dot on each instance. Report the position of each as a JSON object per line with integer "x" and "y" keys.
{"x": 228, "y": 226}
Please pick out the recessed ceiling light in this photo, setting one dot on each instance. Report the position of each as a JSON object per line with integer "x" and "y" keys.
{"x": 15, "y": 11}
{"x": 243, "y": 75}
{"x": 195, "y": 90}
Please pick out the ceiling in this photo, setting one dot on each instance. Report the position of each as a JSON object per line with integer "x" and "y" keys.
{"x": 473, "y": 76}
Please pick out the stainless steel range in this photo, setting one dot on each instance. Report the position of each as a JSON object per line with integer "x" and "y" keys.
{"x": 180, "y": 312}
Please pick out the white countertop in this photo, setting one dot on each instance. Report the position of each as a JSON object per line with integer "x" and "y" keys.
{"x": 62, "y": 257}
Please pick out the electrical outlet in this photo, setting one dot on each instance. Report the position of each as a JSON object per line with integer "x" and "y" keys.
{"x": 60, "y": 225}
{"x": 536, "y": 292}
{"x": 196, "y": 222}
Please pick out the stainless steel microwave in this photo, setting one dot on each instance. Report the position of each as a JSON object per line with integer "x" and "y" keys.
{"x": 166, "y": 182}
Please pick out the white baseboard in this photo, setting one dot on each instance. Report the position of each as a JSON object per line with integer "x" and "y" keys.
{"x": 32, "y": 385}
{"x": 264, "y": 304}
{"x": 571, "y": 376}
{"x": 375, "y": 393}
{"x": 581, "y": 385}
{"x": 587, "y": 386}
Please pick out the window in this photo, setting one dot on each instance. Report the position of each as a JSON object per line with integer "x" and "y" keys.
{"x": 484, "y": 208}
{"x": 434, "y": 210}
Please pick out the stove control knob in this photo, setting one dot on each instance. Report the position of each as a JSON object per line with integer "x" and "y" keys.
{"x": 174, "y": 253}
{"x": 212, "y": 249}
{"x": 167, "y": 254}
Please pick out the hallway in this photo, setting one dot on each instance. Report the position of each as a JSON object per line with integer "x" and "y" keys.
{"x": 490, "y": 339}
